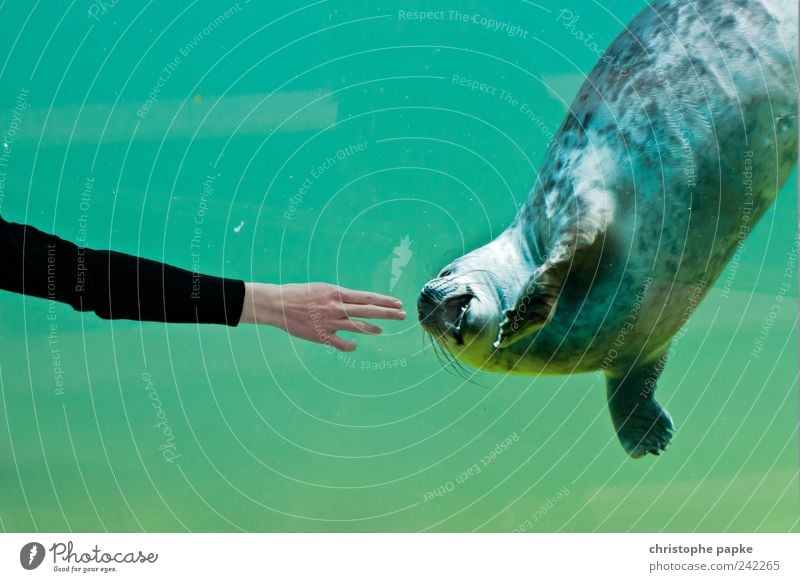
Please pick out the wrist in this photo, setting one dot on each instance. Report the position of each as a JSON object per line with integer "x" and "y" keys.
{"x": 262, "y": 304}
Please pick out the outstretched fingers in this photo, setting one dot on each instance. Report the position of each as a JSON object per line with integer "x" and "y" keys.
{"x": 341, "y": 344}
{"x": 370, "y": 311}
{"x": 349, "y": 296}
{"x": 351, "y": 325}
{"x": 357, "y": 326}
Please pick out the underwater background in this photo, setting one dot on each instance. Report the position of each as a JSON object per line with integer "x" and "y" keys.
{"x": 355, "y": 144}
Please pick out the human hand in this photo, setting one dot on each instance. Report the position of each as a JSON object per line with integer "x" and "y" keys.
{"x": 316, "y": 311}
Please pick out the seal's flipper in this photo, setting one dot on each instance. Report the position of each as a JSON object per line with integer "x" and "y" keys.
{"x": 532, "y": 310}
{"x": 642, "y": 425}
{"x": 585, "y": 219}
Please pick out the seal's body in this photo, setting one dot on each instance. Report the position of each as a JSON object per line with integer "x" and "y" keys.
{"x": 663, "y": 165}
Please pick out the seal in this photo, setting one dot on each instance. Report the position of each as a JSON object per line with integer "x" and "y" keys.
{"x": 663, "y": 165}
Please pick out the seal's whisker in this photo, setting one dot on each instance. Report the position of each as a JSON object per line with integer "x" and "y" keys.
{"x": 455, "y": 364}
{"x": 452, "y": 365}
{"x": 466, "y": 374}
{"x": 424, "y": 337}
{"x": 442, "y": 356}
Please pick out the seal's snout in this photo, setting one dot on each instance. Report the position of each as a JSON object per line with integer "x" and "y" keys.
{"x": 430, "y": 299}
{"x": 442, "y": 306}
{"x": 433, "y": 292}
{"x": 432, "y": 295}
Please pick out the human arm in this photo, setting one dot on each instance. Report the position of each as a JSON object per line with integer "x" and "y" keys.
{"x": 113, "y": 285}
{"x": 119, "y": 286}
{"x": 316, "y": 311}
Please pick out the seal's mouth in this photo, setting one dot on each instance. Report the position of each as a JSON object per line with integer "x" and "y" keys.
{"x": 444, "y": 315}
{"x": 455, "y": 312}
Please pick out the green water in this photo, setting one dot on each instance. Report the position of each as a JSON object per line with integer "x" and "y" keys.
{"x": 275, "y": 434}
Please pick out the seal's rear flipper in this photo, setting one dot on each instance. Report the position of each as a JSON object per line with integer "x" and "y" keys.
{"x": 642, "y": 425}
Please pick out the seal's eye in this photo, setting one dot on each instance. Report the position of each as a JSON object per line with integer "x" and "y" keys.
{"x": 446, "y": 272}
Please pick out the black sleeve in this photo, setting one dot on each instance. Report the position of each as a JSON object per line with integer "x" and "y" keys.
{"x": 113, "y": 285}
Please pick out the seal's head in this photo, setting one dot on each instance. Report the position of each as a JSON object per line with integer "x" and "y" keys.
{"x": 459, "y": 306}
{"x": 462, "y": 308}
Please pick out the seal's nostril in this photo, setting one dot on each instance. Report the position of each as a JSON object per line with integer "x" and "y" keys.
{"x": 428, "y": 295}
{"x": 433, "y": 292}
{"x": 427, "y": 303}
